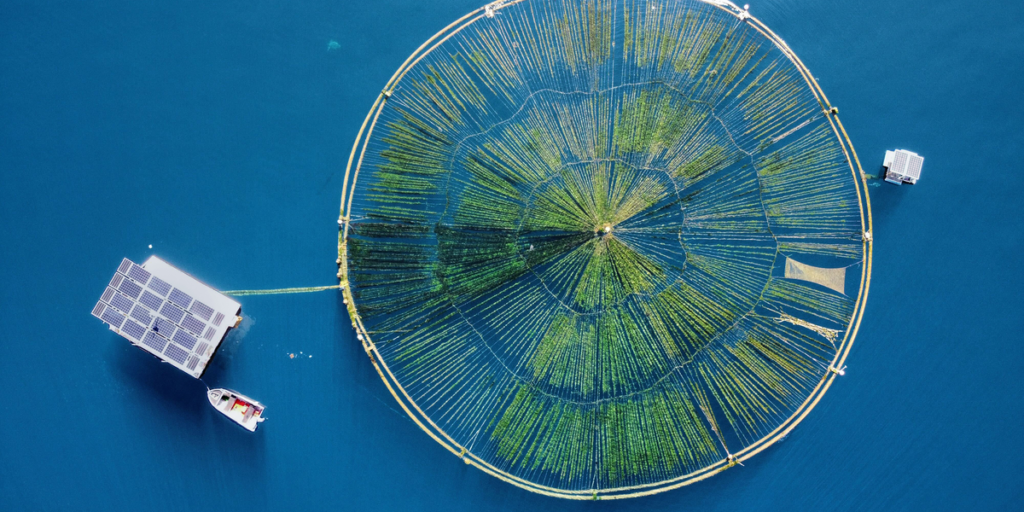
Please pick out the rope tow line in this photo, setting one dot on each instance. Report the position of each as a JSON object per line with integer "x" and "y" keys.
{"x": 311, "y": 289}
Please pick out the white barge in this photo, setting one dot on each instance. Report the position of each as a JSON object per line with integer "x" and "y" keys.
{"x": 167, "y": 313}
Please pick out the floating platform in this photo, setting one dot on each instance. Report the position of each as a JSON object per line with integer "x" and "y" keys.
{"x": 167, "y": 313}
{"x": 902, "y": 166}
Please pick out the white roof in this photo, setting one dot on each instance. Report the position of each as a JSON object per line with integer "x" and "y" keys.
{"x": 167, "y": 313}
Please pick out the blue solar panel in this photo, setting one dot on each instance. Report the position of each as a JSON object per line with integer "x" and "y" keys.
{"x": 201, "y": 310}
{"x": 133, "y": 330}
{"x": 193, "y": 324}
{"x": 139, "y": 274}
{"x": 121, "y": 302}
{"x": 112, "y": 317}
{"x": 159, "y": 286}
{"x": 161, "y": 318}
{"x": 184, "y": 339}
{"x": 130, "y": 288}
{"x": 172, "y": 312}
{"x": 151, "y": 301}
{"x": 155, "y": 342}
{"x": 140, "y": 313}
{"x": 180, "y": 298}
{"x": 175, "y": 353}
{"x": 164, "y": 327}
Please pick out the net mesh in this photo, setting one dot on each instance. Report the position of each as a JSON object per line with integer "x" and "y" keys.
{"x": 831, "y": 278}
{"x": 565, "y": 235}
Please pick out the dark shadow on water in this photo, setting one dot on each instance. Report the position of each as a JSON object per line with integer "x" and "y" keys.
{"x": 165, "y": 387}
{"x": 174, "y": 407}
{"x": 885, "y": 196}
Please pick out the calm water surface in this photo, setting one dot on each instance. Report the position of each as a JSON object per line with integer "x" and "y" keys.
{"x": 218, "y": 132}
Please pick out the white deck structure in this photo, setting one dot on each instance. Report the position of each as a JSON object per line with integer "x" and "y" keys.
{"x": 237, "y": 407}
{"x": 902, "y": 166}
{"x": 167, "y": 313}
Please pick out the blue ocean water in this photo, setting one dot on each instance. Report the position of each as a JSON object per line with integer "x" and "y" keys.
{"x": 218, "y": 132}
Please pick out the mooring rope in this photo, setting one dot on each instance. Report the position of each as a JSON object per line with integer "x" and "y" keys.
{"x": 310, "y": 289}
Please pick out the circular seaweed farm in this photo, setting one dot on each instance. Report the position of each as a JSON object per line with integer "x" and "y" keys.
{"x": 605, "y": 248}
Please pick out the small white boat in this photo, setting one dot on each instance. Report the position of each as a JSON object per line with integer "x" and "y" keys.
{"x": 239, "y": 408}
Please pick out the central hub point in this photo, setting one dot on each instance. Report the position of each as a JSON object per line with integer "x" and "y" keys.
{"x": 600, "y": 232}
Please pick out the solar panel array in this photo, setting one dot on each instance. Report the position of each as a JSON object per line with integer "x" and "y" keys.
{"x": 159, "y": 317}
{"x": 906, "y": 166}
{"x": 914, "y": 164}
